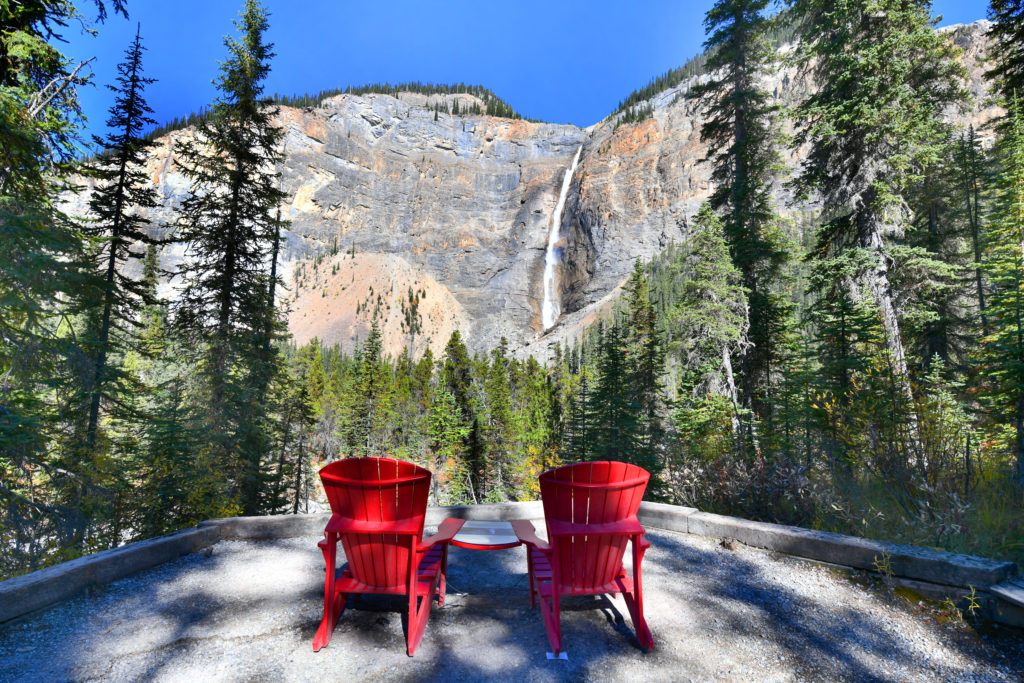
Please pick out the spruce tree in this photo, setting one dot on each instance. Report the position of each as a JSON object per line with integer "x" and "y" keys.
{"x": 884, "y": 77}
{"x": 42, "y": 273}
{"x": 500, "y": 482}
{"x": 707, "y": 322}
{"x": 971, "y": 170}
{"x": 742, "y": 133}
{"x": 1006, "y": 51}
{"x": 646, "y": 366}
{"x": 447, "y": 433}
{"x": 123, "y": 189}
{"x": 229, "y": 222}
{"x": 612, "y": 412}
{"x": 372, "y": 397}
{"x": 1003, "y": 367}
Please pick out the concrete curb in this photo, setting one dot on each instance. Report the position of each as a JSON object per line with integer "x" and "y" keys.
{"x": 907, "y": 561}
{"x": 45, "y": 587}
{"x": 932, "y": 573}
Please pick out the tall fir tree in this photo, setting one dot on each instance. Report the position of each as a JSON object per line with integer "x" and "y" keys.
{"x": 706, "y": 323}
{"x": 1006, "y": 48}
{"x": 645, "y": 356}
{"x": 42, "y": 272}
{"x": 230, "y": 224}
{"x": 611, "y": 411}
{"x": 873, "y": 127}
{"x": 123, "y": 190}
{"x": 742, "y": 132}
{"x": 971, "y": 171}
{"x": 1003, "y": 366}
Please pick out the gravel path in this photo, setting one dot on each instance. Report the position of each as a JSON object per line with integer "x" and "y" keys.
{"x": 248, "y": 611}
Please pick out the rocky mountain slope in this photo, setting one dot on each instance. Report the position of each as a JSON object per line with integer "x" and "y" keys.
{"x": 387, "y": 202}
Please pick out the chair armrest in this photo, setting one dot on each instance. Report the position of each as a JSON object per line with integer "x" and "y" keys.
{"x": 526, "y": 533}
{"x": 446, "y": 530}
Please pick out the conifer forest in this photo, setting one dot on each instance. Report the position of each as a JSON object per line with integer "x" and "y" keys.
{"x": 858, "y": 367}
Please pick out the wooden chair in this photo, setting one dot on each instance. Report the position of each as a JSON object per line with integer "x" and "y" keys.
{"x": 590, "y": 512}
{"x": 378, "y": 507}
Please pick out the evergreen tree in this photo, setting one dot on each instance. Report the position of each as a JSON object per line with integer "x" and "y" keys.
{"x": 706, "y": 322}
{"x": 230, "y": 225}
{"x": 447, "y": 434}
{"x": 742, "y": 134}
{"x": 457, "y": 371}
{"x": 372, "y": 398}
{"x": 123, "y": 189}
{"x": 42, "y": 272}
{"x": 646, "y": 361}
{"x": 971, "y": 170}
{"x": 886, "y": 75}
{"x": 1004, "y": 345}
{"x": 1006, "y": 47}
{"x": 500, "y": 481}
{"x": 612, "y": 412}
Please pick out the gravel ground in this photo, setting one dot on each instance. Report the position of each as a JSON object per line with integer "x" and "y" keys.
{"x": 248, "y": 611}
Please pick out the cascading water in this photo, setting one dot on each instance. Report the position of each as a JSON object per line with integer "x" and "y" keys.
{"x": 551, "y": 307}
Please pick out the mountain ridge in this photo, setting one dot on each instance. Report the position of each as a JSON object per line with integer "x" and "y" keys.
{"x": 461, "y": 206}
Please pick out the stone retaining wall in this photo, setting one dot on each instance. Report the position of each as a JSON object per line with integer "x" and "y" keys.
{"x": 932, "y": 573}
{"x": 935, "y": 574}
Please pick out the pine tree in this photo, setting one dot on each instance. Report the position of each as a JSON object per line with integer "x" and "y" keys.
{"x": 1004, "y": 345}
{"x": 447, "y": 434}
{"x": 971, "y": 170}
{"x": 742, "y": 133}
{"x": 886, "y": 76}
{"x": 372, "y": 394}
{"x": 123, "y": 190}
{"x": 1006, "y": 48}
{"x": 230, "y": 225}
{"x": 646, "y": 366}
{"x": 612, "y": 412}
{"x": 500, "y": 481}
{"x": 42, "y": 273}
{"x": 706, "y": 323}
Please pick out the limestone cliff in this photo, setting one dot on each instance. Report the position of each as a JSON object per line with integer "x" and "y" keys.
{"x": 385, "y": 199}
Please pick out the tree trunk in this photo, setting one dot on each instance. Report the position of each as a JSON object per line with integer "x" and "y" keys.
{"x": 737, "y": 424}
{"x": 974, "y": 221}
{"x": 108, "y": 298}
{"x": 870, "y": 237}
{"x": 298, "y": 475}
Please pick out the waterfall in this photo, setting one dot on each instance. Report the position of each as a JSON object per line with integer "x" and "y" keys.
{"x": 551, "y": 308}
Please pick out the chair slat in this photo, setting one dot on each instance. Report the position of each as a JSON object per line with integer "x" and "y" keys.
{"x": 380, "y": 498}
{"x": 597, "y": 496}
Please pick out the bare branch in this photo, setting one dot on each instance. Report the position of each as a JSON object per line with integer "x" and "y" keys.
{"x": 54, "y": 88}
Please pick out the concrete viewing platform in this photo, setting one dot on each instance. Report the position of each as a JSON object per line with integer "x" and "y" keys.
{"x": 246, "y": 606}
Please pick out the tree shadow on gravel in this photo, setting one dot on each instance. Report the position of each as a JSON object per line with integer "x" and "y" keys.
{"x": 184, "y": 612}
{"x": 830, "y": 641}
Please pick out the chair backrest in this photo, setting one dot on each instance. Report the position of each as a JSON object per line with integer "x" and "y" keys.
{"x": 584, "y": 496}
{"x": 383, "y": 503}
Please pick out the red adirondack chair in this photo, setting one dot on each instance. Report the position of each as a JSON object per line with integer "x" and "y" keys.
{"x": 378, "y": 506}
{"x": 590, "y": 511}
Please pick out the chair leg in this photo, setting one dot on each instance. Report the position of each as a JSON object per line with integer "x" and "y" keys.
{"x": 333, "y": 603}
{"x": 635, "y": 601}
{"x": 552, "y": 620}
{"x": 419, "y": 612}
{"x": 443, "y": 585}
{"x": 530, "y": 576}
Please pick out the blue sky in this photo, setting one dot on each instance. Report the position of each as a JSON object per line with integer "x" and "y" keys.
{"x": 567, "y": 62}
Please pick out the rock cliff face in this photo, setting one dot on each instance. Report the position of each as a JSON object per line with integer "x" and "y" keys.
{"x": 384, "y": 200}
